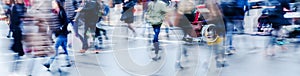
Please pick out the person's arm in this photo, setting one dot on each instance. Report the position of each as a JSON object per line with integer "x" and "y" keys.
{"x": 80, "y": 6}
{"x": 164, "y": 9}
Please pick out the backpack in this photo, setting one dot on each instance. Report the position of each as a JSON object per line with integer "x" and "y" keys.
{"x": 194, "y": 17}
{"x": 91, "y": 8}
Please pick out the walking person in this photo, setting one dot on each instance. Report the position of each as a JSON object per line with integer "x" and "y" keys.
{"x": 233, "y": 12}
{"x": 103, "y": 13}
{"x": 127, "y": 15}
{"x": 214, "y": 33}
{"x": 7, "y": 11}
{"x": 155, "y": 15}
{"x": 70, "y": 6}
{"x": 16, "y": 13}
{"x": 185, "y": 15}
{"x": 61, "y": 33}
{"x": 276, "y": 16}
{"x": 88, "y": 13}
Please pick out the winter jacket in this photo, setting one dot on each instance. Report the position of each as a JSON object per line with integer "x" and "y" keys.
{"x": 156, "y": 12}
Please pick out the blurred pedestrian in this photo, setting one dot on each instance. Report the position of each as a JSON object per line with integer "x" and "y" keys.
{"x": 214, "y": 32}
{"x": 17, "y": 12}
{"x": 185, "y": 15}
{"x": 233, "y": 13}
{"x": 70, "y": 6}
{"x": 127, "y": 15}
{"x": 88, "y": 13}
{"x": 103, "y": 13}
{"x": 7, "y": 11}
{"x": 61, "y": 33}
{"x": 276, "y": 16}
{"x": 155, "y": 16}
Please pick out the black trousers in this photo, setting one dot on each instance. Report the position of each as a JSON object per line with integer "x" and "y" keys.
{"x": 17, "y": 45}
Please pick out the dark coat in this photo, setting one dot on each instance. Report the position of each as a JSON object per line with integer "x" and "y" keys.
{"x": 277, "y": 14}
{"x": 234, "y": 9}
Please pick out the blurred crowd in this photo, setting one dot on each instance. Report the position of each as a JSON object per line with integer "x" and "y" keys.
{"x": 213, "y": 22}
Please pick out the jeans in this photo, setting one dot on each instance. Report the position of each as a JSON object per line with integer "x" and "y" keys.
{"x": 156, "y": 29}
{"x": 239, "y": 25}
{"x": 60, "y": 41}
{"x": 229, "y": 33}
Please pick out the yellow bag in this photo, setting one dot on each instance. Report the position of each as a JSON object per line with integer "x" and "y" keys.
{"x": 218, "y": 40}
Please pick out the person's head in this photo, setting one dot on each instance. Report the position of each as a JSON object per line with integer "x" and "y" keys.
{"x": 8, "y": 2}
{"x": 57, "y": 5}
{"x": 19, "y": 1}
{"x": 54, "y": 5}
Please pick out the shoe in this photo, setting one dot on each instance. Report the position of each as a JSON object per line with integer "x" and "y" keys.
{"x": 179, "y": 66}
{"x": 167, "y": 35}
{"x": 221, "y": 64}
{"x": 230, "y": 51}
{"x": 196, "y": 39}
{"x": 96, "y": 51}
{"x": 187, "y": 39}
{"x": 134, "y": 35}
{"x": 156, "y": 58}
{"x": 69, "y": 65}
{"x": 47, "y": 65}
{"x": 70, "y": 45}
{"x": 82, "y": 51}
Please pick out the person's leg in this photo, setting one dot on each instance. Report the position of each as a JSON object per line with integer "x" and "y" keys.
{"x": 132, "y": 29}
{"x": 75, "y": 27}
{"x": 93, "y": 29}
{"x": 189, "y": 34}
{"x": 239, "y": 24}
{"x": 97, "y": 32}
{"x": 156, "y": 51}
{"x": 56, "y": 46}
{"x": 104, "y": 33}
{"x": 99, "y": 38}
{"x": 168, "y": 27}
{"x": 64, "y": 46}
{"x": 221, "y": 54}
{"x": 17, "y": 45}
{"x": 84, "y": 40}
{"x": 156, "y": 29}
{"x": 273, "y": 41}
{"x": 9, "y": 33}
{"x": 229, "y": 36}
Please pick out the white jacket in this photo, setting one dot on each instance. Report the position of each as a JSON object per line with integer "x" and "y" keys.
{"x": 156, "y": 12}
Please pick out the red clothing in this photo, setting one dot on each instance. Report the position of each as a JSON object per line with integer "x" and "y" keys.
{"x": 27, "y": 2}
